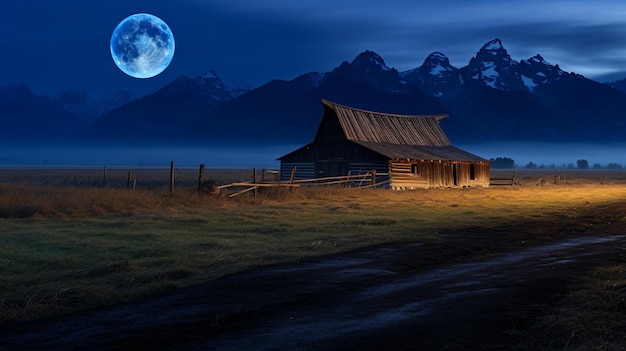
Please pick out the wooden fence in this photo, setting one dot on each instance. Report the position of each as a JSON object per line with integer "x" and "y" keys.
{"x": 512, "y": 180}
{"x": 205, "y": 181}
{"x": 361, "y": 181}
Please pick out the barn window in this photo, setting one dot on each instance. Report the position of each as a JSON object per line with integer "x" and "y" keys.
{"x": 415, "y": 169}
{"x": 472, "y": 171}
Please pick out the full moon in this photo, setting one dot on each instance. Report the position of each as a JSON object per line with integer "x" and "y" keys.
{"x": 142, "y": 45}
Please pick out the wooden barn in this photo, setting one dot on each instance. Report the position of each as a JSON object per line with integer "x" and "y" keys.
{"x": 407, "y": 151}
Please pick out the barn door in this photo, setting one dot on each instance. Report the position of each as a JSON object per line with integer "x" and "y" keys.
{"x": 455, "y": 174}
{"x": 452, "y": 174}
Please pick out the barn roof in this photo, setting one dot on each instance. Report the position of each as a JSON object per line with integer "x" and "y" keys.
{"x": 376, "y": 127}
{"x": 416, "y": 152}
{"x": 395, "y": 136}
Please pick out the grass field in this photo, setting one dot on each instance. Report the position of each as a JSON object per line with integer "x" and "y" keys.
{"x": 69, "y": 242}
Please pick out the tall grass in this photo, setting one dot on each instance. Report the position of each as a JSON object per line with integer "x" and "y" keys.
{"x": 591, "y": 316}
{"x": 23, "y": 201}
{"x": 66, "y": 247}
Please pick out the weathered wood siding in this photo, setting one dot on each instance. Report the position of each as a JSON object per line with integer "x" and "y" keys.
{"x": 413, "y": 174}
{"x": 478, "y": 176}
{"x": 403, "y": 178}
{"x": 333, "y": 150}
{"x": 381, "y": 168}
{"x": 327, "y": 159}
{"x": 319, "y": 169}
{"x": 304, "y": 170}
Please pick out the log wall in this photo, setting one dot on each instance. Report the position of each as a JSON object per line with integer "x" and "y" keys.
{"x": 434, "y": 174}
{"x": 431, "y": 174}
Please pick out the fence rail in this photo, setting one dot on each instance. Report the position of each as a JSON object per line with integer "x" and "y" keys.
{"x": 512, "y": 180}
{"x": 361, "y": 181}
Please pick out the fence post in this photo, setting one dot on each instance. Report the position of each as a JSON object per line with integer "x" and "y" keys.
{"x": 104, "y": 176}
{"x": 373, "y": 178}
{"x": 200, "y": 176}
{"x": 254, "y": 175}
{"x": 172, "y": 178}
{"x": 293, "y": 174}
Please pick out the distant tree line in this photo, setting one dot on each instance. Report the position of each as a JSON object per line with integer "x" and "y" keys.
{"x": 502, "y": 163}
{"x": 509, "y": 163}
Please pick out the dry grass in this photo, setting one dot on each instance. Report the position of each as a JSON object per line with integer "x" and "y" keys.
{"x": 592, "y": 316}
{"x": 66, "y": 246}
{"x": 26, "y": 201}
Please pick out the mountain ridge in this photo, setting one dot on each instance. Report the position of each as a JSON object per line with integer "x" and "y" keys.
{"x": 492, "y": 98}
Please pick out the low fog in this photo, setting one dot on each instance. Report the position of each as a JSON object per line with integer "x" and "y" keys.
{"x": 137, "y": 156}
{"x": 551, "y": 154}
{"x": 265, "y": 156}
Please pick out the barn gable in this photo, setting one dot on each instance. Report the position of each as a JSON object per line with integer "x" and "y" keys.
{"x": 412, "y": 149}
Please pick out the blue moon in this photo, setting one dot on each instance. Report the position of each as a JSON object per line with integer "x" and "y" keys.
{"x": 142, "y": 45}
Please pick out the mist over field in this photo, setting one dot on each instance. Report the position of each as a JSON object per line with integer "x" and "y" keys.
{"x": 148, "y": 156}
{"x": 551, "y": 154}
{"x": 264, "y": 156}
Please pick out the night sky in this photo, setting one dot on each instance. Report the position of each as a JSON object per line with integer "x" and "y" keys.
{"x": 55, "y": 45}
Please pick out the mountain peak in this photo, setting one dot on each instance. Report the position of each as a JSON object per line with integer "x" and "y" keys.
{"x": 493, "y": 51}
{"x": 210, "y": 84}
{"x": 494, "y": 45}
{"x": 209, "y": 78}
{"x": 369, "y": 60}
{"x": 493, "y": 66}
{"x": 210, "y": 74}
{"x": 536, "y": 71}
{"x": 437, "y": 64}
{"x": 370, "y": 68}
{"x": 437, "y": 56}
{"x": 538, "y": 59}
{"x": 436, "y": 76}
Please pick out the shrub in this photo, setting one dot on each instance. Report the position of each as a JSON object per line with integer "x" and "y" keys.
{"x": 614, "y": 166}
{"x": 502, "y": 163}
{"x": 531, "y": 165}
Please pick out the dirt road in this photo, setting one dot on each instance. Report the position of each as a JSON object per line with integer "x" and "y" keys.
{"x": 386, "y": 297}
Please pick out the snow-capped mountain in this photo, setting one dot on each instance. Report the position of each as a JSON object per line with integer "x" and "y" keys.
{"x": 208, "y": 85}
{"x": 493, "y": 97}
{"x": 289, "y": 111}
{"x": 537, "y": 71}
{"x": 368, "y": 61}
{"x": 493, "y": 67}
{"x": 504, "y": 99}
{"x": 371, "y": 69}
{"x": 435, "y": 76}
{"x": 211, "y": 85}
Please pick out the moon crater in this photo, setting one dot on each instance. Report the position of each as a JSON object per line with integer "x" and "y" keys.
{"x": 142, "y": 45}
